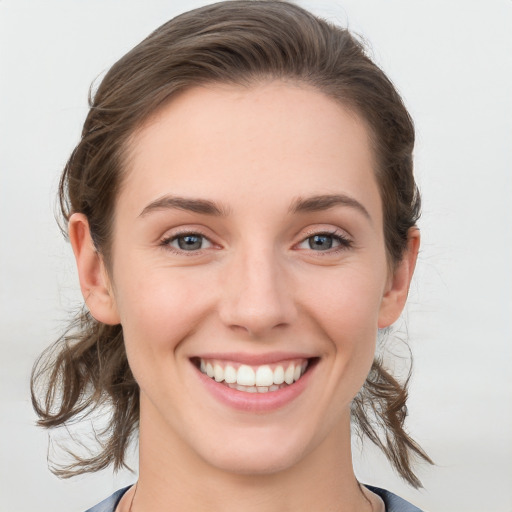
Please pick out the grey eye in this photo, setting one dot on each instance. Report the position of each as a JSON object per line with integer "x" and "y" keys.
{"x": 323, "y": 242}
{"x": 189, "y": 242}
{"x": 320, "y": 242}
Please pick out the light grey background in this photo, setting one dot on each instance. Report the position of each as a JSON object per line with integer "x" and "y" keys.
{"x": 452, "y": 61}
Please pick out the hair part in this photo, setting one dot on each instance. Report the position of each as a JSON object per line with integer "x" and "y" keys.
{"x": 239, "y": 42}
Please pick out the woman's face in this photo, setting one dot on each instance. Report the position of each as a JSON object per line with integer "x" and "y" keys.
{"x": 248, "y": 248}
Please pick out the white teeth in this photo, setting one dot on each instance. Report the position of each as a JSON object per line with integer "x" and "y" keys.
{"x": 230, "y": 374}
{"x": 218, "y": 372}
{"x": 246, "y": 376}
{"x": 261, "y": 379}
{"x": 264, "y": 376}
{"x": 289, "y": 374}
{"x": 260, "y": 389}
{"x": 279, "y": 375}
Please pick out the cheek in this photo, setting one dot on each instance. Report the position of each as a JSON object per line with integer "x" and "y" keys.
{"x": 158, "y": 310}
{"x": 347, "y": 300}
{"x": 347, "y": 314}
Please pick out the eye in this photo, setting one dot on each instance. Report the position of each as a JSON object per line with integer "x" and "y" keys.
{"x": 188, "y": 242}
{"x": 324, "y": 242}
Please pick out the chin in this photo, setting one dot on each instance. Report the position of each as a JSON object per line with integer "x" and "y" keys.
{"x": 253, "y": 462}
{"x": 257, "y": 455}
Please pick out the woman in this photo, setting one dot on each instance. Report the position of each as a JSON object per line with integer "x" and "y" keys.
{"x": 242, "y": 211}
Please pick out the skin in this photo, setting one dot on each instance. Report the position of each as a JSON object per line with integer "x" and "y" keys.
{"x": 257, "y": 286}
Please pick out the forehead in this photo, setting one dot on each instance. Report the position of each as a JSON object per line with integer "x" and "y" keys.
{"x": 274, "y": 139}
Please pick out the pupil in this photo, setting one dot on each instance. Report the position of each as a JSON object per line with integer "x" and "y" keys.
{"x": 189, "y": 242}
{"x": 320, "y": 242}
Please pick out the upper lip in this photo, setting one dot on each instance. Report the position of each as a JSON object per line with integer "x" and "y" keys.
{"x": 254, "y": 359}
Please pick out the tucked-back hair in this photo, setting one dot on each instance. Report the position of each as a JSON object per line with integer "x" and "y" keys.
{"x": 240, "y": 42}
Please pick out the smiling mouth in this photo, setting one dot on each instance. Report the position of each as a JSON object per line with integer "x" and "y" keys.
{"x": 266, "y": 378}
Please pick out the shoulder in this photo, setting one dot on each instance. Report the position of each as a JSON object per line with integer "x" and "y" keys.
{"x": 109, "y": 504}
{"x": 393, "y": 502}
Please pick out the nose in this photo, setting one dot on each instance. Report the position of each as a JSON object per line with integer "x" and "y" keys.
{"x": 257, "y": 297}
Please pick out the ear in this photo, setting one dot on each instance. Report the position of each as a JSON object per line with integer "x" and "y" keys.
{"x": 398, "y": 284}
{"x": 93, "y": 276}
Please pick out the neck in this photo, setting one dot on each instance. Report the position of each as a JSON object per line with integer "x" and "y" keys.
{"x": 176, "y": 478}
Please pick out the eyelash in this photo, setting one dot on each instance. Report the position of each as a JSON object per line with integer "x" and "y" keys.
{"x": 166, "y": 243}
{"x": 343, "y": 241}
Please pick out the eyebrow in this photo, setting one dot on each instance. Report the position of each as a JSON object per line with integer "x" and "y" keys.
{"x": 299, "y": 205}
{"x": 203, "y": 206}
{"x": 326, "y": 201}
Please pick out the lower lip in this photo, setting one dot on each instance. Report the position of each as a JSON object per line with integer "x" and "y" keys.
{"x": 255, "y": 402}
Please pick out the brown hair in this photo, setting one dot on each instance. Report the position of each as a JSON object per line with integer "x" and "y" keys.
{"x": 237, "y": 42}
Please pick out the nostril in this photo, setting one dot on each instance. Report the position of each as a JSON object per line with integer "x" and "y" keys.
{"x": 258, "y": 327}
{"x": 257, "y": 300}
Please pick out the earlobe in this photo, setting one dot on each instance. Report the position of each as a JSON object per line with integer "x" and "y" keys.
{"x": 93, "y": 276}
{"x": 397, "y": 290}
